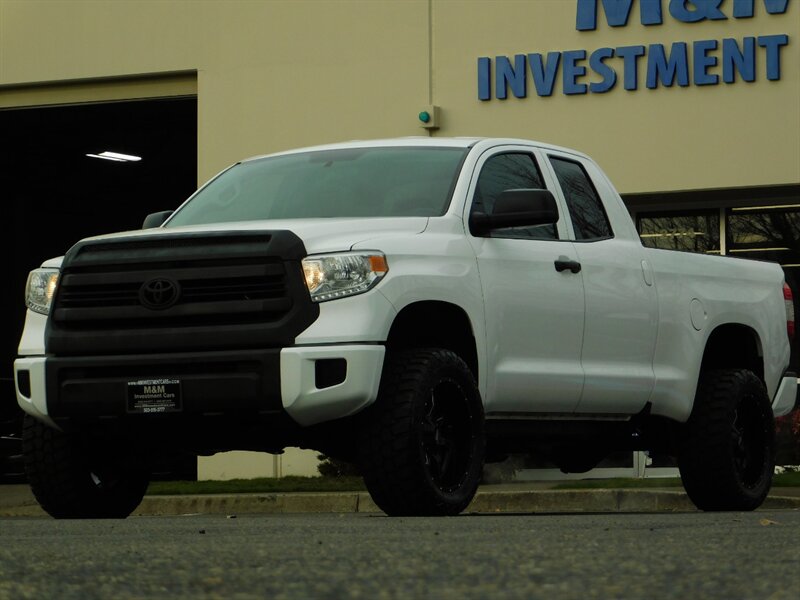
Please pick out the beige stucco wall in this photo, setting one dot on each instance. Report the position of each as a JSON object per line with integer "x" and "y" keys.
{"x": 270, "y": 74}
{"x": 647, "y": 140}
{"x": 247, "y": 465}
{"x": 275, "y": 74}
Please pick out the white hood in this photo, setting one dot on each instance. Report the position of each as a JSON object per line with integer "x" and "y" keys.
{"x": 318, "y": 235}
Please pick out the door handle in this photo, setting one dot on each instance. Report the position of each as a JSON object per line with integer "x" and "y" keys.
{"x": 563, "y": 265}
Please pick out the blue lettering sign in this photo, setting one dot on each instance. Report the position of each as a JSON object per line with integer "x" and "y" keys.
{"x": 661, "y": 68}
{"x": 484, "y": 75}
{"x": 743, "y": 9}
{"x": 700, "y": 10}
{"x": 571, "y": 71}
{"x": 506, "y": 76}
{"x": 544, "y": 75}
{"x": 773, "y": 45}
{"x": 735, "y": 59}
{"x": 631, "y": 54}
{"x": 701, "y": 62}
{"x": 618, "y": 12}
{"x": 596, "y": 62}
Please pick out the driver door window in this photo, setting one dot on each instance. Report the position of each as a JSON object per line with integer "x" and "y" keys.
{"x": 510, "y": 171}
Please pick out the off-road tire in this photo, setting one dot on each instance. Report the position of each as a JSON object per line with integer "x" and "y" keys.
{"x": 727, "y": 454}
{"x": 422, "y": 444}
{"x": 73, "y": 477}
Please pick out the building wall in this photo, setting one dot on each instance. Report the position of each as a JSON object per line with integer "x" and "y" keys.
{"x": 270, "y": 75}
{"x": 648, "y": 139}
{"x": 247, "y": 465}
{"x": 274, "y": 74}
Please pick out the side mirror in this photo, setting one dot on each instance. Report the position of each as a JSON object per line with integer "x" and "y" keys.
{"x": 156, "y": 219}
{"x": 517, "y": 208}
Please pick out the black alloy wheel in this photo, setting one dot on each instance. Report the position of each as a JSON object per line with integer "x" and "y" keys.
{"x": 727, "y": 455}
{"x": 446, "y": 435}
{"x": 422, "y": 444}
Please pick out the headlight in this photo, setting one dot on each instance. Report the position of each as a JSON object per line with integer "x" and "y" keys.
{"x": 332, "y": 276}
{"x": 40, "y": 289}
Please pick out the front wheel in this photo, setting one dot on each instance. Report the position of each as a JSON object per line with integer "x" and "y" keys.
{"x": 73, "y": 477}
{"x": 422, "y": 443}
{"x": 727, "y": 457}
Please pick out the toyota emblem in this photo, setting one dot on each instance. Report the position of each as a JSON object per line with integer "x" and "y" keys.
{"x": 159, "y": 293}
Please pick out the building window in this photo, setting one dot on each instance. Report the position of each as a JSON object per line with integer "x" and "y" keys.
{"x": 687, "y": 232}
{"x": 765, "y": 233}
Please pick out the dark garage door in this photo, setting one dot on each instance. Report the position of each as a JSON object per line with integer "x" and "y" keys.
{"x": 53, "y": 194}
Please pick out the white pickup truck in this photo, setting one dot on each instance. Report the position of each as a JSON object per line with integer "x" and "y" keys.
{"x": 417, "y": 306}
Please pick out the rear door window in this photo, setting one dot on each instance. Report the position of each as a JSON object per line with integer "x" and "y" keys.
{"x": 589, "y": 219}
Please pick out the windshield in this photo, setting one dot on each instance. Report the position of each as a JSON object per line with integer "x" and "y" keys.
{"x": 352, "y": 182}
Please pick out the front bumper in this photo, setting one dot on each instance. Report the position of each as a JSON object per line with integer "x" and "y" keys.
{"x": 311, "y": 384}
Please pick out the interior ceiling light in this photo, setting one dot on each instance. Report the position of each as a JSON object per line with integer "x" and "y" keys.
{"x": 116, "y": 156}
{"x": 771, "y": 207}
{"x": 758, "y": 250}
{"x": 673, "y": 234}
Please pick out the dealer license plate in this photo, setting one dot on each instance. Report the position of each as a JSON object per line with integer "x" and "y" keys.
{"x": 153, "y": 396}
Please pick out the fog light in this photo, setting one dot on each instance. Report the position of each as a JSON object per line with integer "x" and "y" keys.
{"x": 24, "y": 383}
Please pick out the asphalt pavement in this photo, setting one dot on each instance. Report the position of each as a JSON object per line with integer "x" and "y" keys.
{"x": 527, "y": 497}
{"x": 644, "y": 556}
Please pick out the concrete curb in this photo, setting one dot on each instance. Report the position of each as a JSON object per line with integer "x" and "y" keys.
{"x": 485, "y": 502}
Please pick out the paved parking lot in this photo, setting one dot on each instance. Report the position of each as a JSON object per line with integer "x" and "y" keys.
{"x": 678, "y": 555}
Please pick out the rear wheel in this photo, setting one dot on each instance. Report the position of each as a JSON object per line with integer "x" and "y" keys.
{"x": 74, "y": 477}
{"x": 727, "y": 457}
{"x": 422, "y": 443}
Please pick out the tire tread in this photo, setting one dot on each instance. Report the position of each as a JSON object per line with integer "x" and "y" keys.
{"x": 705, "y": 460}
{"x": 387, "y": 450}
{"x": 59, "y": 475}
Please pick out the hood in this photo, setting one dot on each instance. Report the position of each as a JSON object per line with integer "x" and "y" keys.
{"x": 318, "y": 235}
{"x": 53, "y": 263}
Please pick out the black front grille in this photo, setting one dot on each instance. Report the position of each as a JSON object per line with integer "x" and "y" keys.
{"x": 179, "y": 291}
{"x": 205, "y": 293}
